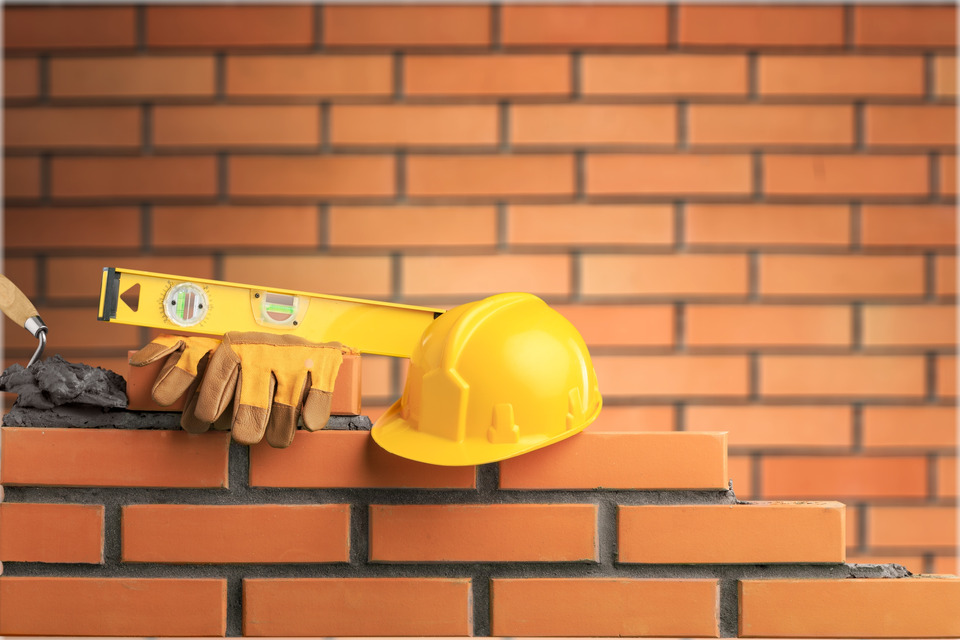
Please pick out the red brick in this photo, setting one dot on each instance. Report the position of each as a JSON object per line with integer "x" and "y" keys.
{"x": 909, "y": 326}
{"x": 945, "y": 76}
{"x": 947, "y": 485}
{"x": 236, "y": 126}
{"x": 761, "y": 26}
{"x": 775, "y": 427}
{"x": 113, "y": 458}
{"x": 664, "y": 275}
{"x": 74, "y": 227}
{"x": 348, "y": 459}
{"x": 133, "y": 177}
{"x": 77, "y": 328}
{"x": 909, "y": 226}
{"x": 70, "y": 533}
{"x": 357, "y": 276}
{"x": 484, "y": 533}
{"x": 81, "y": 277}
{"x": 477, "y": 276}
{"x": 603, "y": 607}
{"x": 947, "y": 169}
{"x": 234, "y": 226}
{"x": 21, "y": 177}
{"x": 309, "y": 76}
{"x": 357, "y": 607}
{"x": 217, "y": 534}
{"x": 622, "y": 325}
{"x": 927, "y": 125}
{"x": 767, "y": 225}
{"x": 634, "y": 461}
{"x": 910, "y": 427}
{"x": 831, "y": 376}
{"x": 847, "y": 477}
{"x": 843, "y": 175}
{"x": 414, "y": 125}
{"x": 71, "y": 127}
{"x": 22, "y": 272}
{"x": 852, "y": 275}
{"x": 634, "y": 418}
{"x": 609, "y": 225}
{"x": 763, "y": 532}
{"x": 767, "y": 326}
{"x": 922, "y": 27}
{"x": 912, "y": 527}
{"x": 770, "y": 124}
{"x": 132, "y": 77}
{"x": 386, "y": 26}
{"x": 585, "y": 25}
{"x": 312, "y": 176}
{"x": 435, "y": 226}
{"x": 946, "y": 376}
{"x": 592, "y": 124}
{"x": 490, "y": 176}
{"x": 485, "y": 75}
{"x": 229, "y": 26}
{"x": 113, "y": 606}
{"x": 867, "y": 608}
{"x": 673, "y": 376}
{"x": 945, "y": 275}
{"x": 665, "y": 75}
{"x": 686, "y": 174}
{"x": 21, "y": 78}
{"x": 841, "y": 75}
{"x": 59, "y": 28}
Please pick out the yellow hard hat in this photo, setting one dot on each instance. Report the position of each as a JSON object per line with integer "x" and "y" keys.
{"x": 490, "y": 380}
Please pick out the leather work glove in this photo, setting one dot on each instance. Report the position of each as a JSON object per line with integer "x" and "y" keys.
{"x": 187, "y": 358}
{"x": 270, "y": 378}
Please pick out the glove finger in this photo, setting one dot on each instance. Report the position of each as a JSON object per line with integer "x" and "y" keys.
{"x": 172, "y": 382}
{"x": 188, "y": 419}
{"x": 220, "y": 380}
{"x": 161, "y": 346}
{"x": 252, "y": 411}
{"x": 285, "y": 412}
{"x": 316, "y": 410}
{"x": 324, "y": 367}
{"x": 195, "y": 350}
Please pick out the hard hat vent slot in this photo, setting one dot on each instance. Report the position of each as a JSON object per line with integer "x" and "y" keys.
{"x": 504, "y": 429}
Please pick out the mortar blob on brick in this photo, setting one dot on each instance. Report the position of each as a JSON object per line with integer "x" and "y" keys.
{"x": 55, "y": 382}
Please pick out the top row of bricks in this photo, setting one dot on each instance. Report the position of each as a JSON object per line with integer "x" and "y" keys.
{"x": 931, "y": 26}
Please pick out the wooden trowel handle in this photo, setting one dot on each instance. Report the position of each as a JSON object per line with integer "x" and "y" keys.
{"x": 13, "y": 303}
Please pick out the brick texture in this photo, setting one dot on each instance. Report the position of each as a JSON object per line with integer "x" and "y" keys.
{"x": 406, "y": 26}
{"x": 51, "y": 533}
{"x": 761, "y": 26}
{"x": 229, "y": 27}
{"x": 591, "y": 26}
{"x": 60, "y": 28}
{"x": 133, "y": 77}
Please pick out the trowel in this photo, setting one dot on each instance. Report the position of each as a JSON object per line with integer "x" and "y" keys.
{"x": 18, "y": 308}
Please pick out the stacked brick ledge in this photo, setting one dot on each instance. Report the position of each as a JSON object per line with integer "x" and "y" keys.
{"x": 106, "y": 531}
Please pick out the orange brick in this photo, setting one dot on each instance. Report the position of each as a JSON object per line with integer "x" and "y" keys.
{"x": 841, "y": 75}
{"x": 765, "y": 224}
{"x": 133, "y": 77}
{"x": 847, "y": 477}
{"x": 129, "y": 177}
{"x": 406, "y": 26}
{"x": 22, "y": 272}
{"x": 45, "y": 28}
{"x": 309, "y": 76}
{"x": 923, "y": 27}
{"x": 948, "y": 175}
{"x": 358, "y": 276}
{"x": 81, "y": 277}
{"x": 476, "y": 276}
{"x": 946, "y": 275}
{"x": 491, "y": 176}
{"x": 74, "y": 227}
{"x": 485, "y": 75}
{"x": 775, "y": 427}
{"x": 910, "y": 427}
{"x": 830, "y": 376}
{"x": 484, "y": 533}
{"x": 312, "y": 176}
{"x": 767, "y": 325}
{"x": 348, "y": 459}
{"x": 741, "y": 476}
{"x": 233, "y": 226}
{"x": 947, "y": 485}
{"x": 946, "y": 376}
{"x": 236, "y": 125}
{"x": 909, "y": 326}
{"x": 77, "y": 328}
{"x": 603, "y": 607}
{"x": 376, "y": 377}
{"x": 910, "y": 226}
{"x": 761, "y": 532}
{"x": 357, "y": 607}
{"x": 659, "y": 75}
{"x": 587, "y": 25}
{"x": 945, "y": 76}
{"x": 567, "y": 225}
{"x": 673, "y": 376}
{"x": 626, "y": 418}
{"x": 633, "y": 461}
{"x": 21, "y": 78}
{"x": 867, "y": 608}
{"x": 51, "y": 533}
{"x": 927, "y": 125}
{"x": 413, "y": 125}
{"x": 622, "y": 325}
{"x": 687, "y": 174}
{"x": 666, "y": 275}
{"x": 593, "y": 124}
{"x": 760, "y": 26}
{"x": 21, "y": 177}
{"x": 912, "y": 527}
{"x": 71, "y": 127}
{"x": 113, "y": 458}
{"x": 216, "y": 534}
{"x": 770, "y": 124}
{"x": 113, "y": 606}
{"x": 853, "y": 175}
{"x": 229, "y": 26}
{"x": 852, "y": 275}
{"x": 946, "y": 565}
{"x": 412, "y": 226}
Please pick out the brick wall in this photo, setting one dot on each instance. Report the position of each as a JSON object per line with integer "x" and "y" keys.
{"x": 748, "y": 211}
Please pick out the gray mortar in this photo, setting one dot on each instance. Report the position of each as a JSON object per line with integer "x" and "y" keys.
{"x": 54, "y": 382}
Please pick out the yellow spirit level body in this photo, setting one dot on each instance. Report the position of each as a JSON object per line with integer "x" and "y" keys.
{"x": 212, "y": 307}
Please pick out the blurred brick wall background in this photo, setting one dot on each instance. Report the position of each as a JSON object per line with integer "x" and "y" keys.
{"x": 748, "y": 211}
